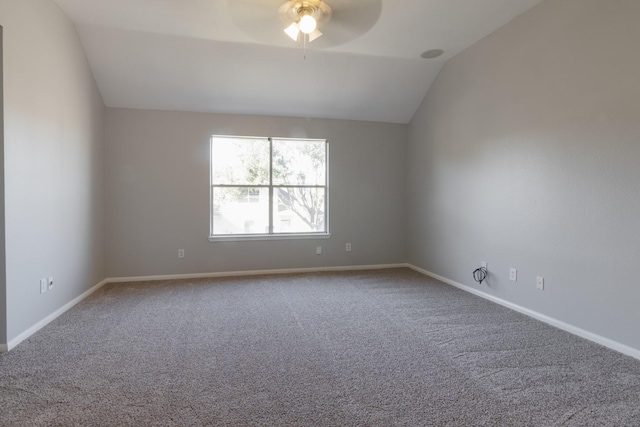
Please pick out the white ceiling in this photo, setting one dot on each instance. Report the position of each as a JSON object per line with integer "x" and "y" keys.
{"x": 203, "y": 55}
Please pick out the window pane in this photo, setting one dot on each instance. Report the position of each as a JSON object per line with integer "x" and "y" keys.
{"x": 240, "y": 210}
{"x": 299, "y": 162}
{"x": 239, "y": 161}
{"x": 298, "y": 210}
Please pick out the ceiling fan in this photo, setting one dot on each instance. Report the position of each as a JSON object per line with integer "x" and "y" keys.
{"x": 277, "y": 22}
{"x": 306, "y": 16}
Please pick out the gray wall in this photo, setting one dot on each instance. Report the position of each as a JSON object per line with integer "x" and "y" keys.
{"x": 526, "y": 154}
{"x": 157, "y": 194}
{"x": 53, "y": 149}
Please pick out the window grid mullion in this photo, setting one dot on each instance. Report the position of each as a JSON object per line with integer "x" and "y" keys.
{"x": 239, "y": 186}
{"x": 271, "y": 202}
{"x": 298, "y": 186}
{"x": 265, "y": 186}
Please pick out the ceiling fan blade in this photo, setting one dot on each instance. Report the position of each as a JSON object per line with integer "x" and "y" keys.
{"x": 351, "y": 19}
{"x": 259, "y": 20}
{"x": 264, "y": 20}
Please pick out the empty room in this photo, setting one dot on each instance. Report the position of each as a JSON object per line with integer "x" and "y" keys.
{"x": 319, "y": 213}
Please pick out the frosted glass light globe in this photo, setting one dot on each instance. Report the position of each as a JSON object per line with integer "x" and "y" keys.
{"x": 308, "y": 24}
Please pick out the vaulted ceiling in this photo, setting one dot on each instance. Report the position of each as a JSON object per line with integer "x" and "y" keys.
{"x": 231, "y": 56}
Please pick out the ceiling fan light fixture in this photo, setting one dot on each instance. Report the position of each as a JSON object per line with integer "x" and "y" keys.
{"x": 307, "y": 24}
{"x": 306, "y": 17}
{"x": 316, "y": 33}
{"x": 293, "y": 31}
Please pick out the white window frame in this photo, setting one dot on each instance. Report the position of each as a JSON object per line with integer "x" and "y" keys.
{"x": 271, "y": 235}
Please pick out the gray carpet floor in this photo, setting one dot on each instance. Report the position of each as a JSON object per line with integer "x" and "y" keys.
{"x": 377, "y": 348}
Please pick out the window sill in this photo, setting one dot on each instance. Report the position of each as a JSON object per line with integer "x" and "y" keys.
{"x": 253, "y": 237}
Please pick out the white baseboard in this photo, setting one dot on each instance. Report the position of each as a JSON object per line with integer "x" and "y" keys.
{"x": 254, "y": 273}
{"x": 44, "y": 322}
{"x": 614, "y": 345}
{"x": 3, "y": 348}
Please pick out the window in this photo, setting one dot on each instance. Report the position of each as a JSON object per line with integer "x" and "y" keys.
{"x": 268, "y": 188}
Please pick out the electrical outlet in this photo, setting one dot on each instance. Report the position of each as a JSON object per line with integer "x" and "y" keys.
{"x": 43, "y": 286}
{"x": 180, "y": 253}
{"x": 50, "y": 283}
{"x": 540, "y": 283}
{"x": 348, "y": 247}
{"x": 318, "y": 250}
{"x": 483, "y": 264}
{"x": 513, "y": 275}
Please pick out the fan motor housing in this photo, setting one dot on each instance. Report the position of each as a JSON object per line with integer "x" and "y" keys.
{"x": 293, "y": 10}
